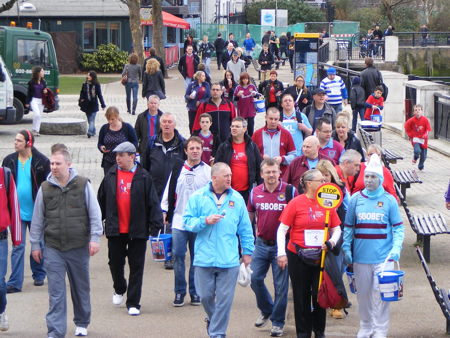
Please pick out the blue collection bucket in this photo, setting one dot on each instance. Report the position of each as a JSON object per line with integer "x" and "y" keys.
{"x": 351, "y": 280}
{"x": 260, "y": 104}
{"x": 390, "y": 283}
{"x": 161, "y": 246}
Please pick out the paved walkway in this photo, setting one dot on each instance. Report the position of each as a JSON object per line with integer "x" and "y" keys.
{"x": 417, "y": 315}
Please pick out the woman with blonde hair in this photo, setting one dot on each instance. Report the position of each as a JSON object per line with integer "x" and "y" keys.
{"x": 133, "y": 72}
{"x": 345, "y": 136}
{"x": 302, "y": 96}
{"x": 153, "y": 80}
{"x": 112, "y": 134}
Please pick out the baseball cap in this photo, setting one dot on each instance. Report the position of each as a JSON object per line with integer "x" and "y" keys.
{"x": 318, "y": 91}
{"x": 125, "y": 147}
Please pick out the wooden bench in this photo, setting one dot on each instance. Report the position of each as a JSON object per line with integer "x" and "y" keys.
{"x": 388, "y": 155}
{"x": 404, "y": 178}
{"x": 441, "y": 294}
{"x": 425, "y": 226}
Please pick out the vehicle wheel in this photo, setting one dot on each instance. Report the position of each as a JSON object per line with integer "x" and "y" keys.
{"x": 19, "y": 109}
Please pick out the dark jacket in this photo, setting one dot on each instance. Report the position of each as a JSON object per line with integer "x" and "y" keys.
{"x": 86, "y": 95}
{"x": 225, "y": 152}
{"x": 146, "y": 216}
{"x": 219, "y": 45}
{"x": 40, "y": 168}
{"x": 182, "y": 64}
{"x": 162, "y": 66}
{"x": 357, "y": 97}
{"x": 230, "y": 96}
{"x": 266, "y": 57}
{"x": 130, "y": 135}
{"x": 191, "y": 104}
{"x": 370, "y": 78}
{"x": 226, "y": 57}
{"x": 152, "y": 83}
{"x": 141, "y": 128}
{"x": 160, "y": 160}
{"x": 328, "y": 113}
{"x": 352, "y": 142}
{"x": 264, "y": 88}
{"x": 30, "y": 90}
{"x": 299, "y": 105}
{"x": 206, "y": 49}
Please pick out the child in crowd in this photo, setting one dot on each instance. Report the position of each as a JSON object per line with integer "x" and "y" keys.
{"x": 374, "y": 103}
{"x": 210, "y": 141}
{"x": 417, "y": 129}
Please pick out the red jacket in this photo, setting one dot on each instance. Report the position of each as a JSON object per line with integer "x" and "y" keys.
{"x": 9, "y": 206}
{"x": 371, "y": 101}
{"x": 48, "y": 100}
{"x": 287, "y": 145}
{"x": 418, "y": 128}
{"x": 349, "y": 181}
{"x": 388, "y": 182}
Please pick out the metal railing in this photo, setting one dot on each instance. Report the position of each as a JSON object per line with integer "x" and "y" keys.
{"x": 413, "y": 39}
{"x": 346, "y": 74}
{"x": 359, "y": 49}
{"x": 445, "y": 80}
{"x": 442, "y": 116}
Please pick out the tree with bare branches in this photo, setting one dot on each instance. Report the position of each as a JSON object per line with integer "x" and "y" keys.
{"x": 8, "y": 5}
{"x": 389, "y": 6}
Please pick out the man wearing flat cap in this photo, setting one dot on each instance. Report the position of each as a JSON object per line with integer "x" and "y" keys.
{"x": 319, "y": 108}
{"x": 128, "y": 188}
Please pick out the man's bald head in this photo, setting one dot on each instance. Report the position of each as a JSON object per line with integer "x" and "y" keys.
{"x": 311, "y": 147}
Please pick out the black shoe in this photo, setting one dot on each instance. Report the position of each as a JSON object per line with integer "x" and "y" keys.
{"x": 38, "y": 282}
{"x": 179, "y": 300}
{"x": 12, "y": 289}
{"x": 89, "y": 135}
{"x": 195, "y": 300}
{"x": 168, "y": 265}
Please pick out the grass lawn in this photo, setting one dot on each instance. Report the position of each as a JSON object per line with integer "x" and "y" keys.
{"x": 71, "y": 85}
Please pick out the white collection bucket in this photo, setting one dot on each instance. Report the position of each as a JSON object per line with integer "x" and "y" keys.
{"x": 260, "y": 104}
{"x": 390, "y": 283}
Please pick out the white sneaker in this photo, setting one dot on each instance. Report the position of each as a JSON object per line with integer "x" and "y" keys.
{"x": 133, "y": 311}
{"x": 80, "y": 331}
{"x": 117, "y": 299}
{"x": 4, "y": 324}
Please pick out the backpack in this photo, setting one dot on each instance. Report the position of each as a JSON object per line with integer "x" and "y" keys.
{"x": 382, "y": 84}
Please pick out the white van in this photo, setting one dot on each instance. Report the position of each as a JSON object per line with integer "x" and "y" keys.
{"x": 7, "y": 110}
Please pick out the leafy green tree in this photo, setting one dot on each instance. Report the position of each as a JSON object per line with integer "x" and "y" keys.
{"x": 297, "y": 11}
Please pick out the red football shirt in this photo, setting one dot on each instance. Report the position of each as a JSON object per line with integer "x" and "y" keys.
{"x": 239, "y": 167}
{"x": 303, "y": 214}
{"x": 123, "y": 194}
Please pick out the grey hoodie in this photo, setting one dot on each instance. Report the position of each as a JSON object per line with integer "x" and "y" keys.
{"x": 38, "y": 221}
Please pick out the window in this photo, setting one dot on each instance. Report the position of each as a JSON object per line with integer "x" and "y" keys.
{"x": 171, "y": 35}
{"x": 33, "y": 52}
{"x": 100, "y": 33}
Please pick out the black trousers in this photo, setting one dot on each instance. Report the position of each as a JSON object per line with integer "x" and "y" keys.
{"x": 250, "y": 125}
{"x": 305, "y": 282}
{"x": 219, "y": 59}
{"x": 191, "y": 115}
{"x": 118, "y": 249}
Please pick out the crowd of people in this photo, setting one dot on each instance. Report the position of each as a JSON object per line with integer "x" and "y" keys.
{"x": 228, "y": 193}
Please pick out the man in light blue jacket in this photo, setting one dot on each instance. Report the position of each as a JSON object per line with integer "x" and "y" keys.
{"x": 217, "y": 213}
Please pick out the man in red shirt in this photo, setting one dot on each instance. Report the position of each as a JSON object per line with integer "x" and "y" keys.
{"x": 243, "y": 157}
{"x": 128, "y": 187}
{"x": 265, "y": 205}
{"x": 274, "y": 141}
{"x": 328, "y": 147}
{"x": 417, "y": 129}
{"x": 348, "y": 167}
{"x": 302, "y": 164}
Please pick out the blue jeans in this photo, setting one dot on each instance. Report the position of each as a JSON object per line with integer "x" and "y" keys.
{"x": 216, "y": 286}
{"x": 132, "y": 87}
{"x": 357, "y": 111}
{"x": 263, "y": 257}
{"x": 180, "y": 239}
{"x": 421, "y": 154}
{"x": 91, "y": 123}
{"x": 207, "y": 62}
{"x": 17, "y": 262}
{"x": 187, "y": 81}
{"x": 337, "y": 107}
{"x": 3, "y": 268}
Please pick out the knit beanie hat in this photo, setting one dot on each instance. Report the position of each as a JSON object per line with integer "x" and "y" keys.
{"x": 375, "y": 166}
